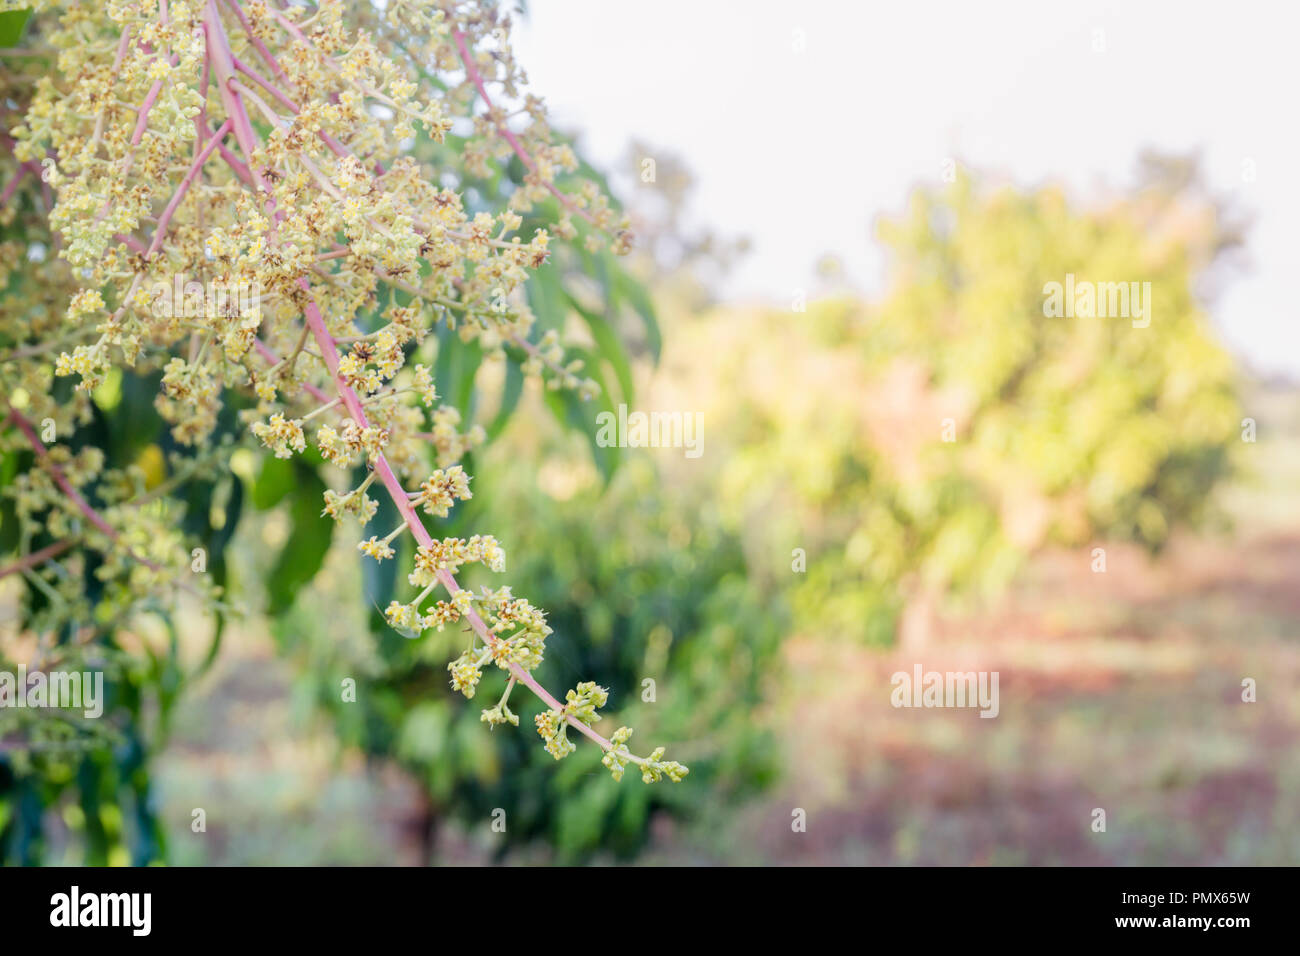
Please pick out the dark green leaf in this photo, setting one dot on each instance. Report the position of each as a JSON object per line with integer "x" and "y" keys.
{"x": 12, "y": 24}
{"x": 274, "y": 481}
{"x": 510, "y": 393}
{"x": 608, "y": 346}
{"x": 304, "y": 552}
{"x": 640, "y": 301}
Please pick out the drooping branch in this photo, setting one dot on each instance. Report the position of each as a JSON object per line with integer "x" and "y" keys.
{"x": 319, "y": 227}
{"x": 477, "y": 79}
{"x": 36, "y": 558}
{"x": 222, "y": 62}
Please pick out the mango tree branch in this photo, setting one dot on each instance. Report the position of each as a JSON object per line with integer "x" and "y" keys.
{"x": 222, "y": 61}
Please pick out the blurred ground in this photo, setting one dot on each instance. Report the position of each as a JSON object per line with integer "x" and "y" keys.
{"x": 1119, "y": 690}
{"x": 273, "y": 786}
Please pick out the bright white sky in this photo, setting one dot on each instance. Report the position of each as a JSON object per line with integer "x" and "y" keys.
{"x": 801, "y": 151}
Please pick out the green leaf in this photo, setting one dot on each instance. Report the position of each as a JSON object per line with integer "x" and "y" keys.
{"x": 379, "y": 578}
{"x": 608, "y": 345}
{"x": 8, "y": 512}
{"x": 274, "y": 480}
{"x": 12, "y": 25}
{"x": 640, "y": 301}
{"x": 546, "y": 298}
{"x": 577, "y": 415}
{"x": 304, "y": 552}
{"x": 511, "y": 391}
{"x": 234, "y": 509}
{"x": 455, "y": 369}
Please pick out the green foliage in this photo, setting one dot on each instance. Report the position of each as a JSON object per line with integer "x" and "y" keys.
{"x": 583, "y": 290}
{"x": 12, "y": 25}
{"x": 636, "y": 588}
{"x": 309, "y": 537}
{"x": 1061, "y": 430}
{"x": 94, "y": 772}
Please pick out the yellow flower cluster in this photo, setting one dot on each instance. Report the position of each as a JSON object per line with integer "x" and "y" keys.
{"x": 450, "y": 553}
{"x": 355, "y": 503}
{"x": 580, "y": 704}
{"x": 441, "y": 490}
{"x": 247, "y": 145}
{"x": 282, "y": 437}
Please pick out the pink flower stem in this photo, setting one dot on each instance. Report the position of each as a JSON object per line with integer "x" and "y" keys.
{"x": 335, "y": 146}
{"x": 10, "y": 144}
{"x": 131, "y": 242}
{"x": 122, "y": 44}
{"x": 477, "y": 79}
{"x": 10, "y": 189}
{"x": 66, "y": 487}
{"x": 223, "y": 66}
{"x": 142, "y": 118}
{"x": 241, "y": 169}
{"x": 258, "y": 45}
{"x": 265, "y": 351}
{"x": 399, "y": 496}
{"x": 166, "y": 218}
{"x": 60, "y": 479}
{"x": 35, "y": 558}
{"x": 82, "y": 504}
{"x": 201, "y": 121}
{"x": 265, "y": 84}
{"x": 141, "y": 123}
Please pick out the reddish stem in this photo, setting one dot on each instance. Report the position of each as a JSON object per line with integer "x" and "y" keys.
{"x": 223, "y": 66}
{"x": 142, "y": 118}
{"x": 476, "y": 78}
{"x": 265, "y": 351}
{"x": 264, "y": 83}
{"x": 258, "y": 45}
{"x": 35, "y": 558}
{"x": 329, "y": 350}
{"x": 13, "y": 186}
{"x": 131, "y": 242}
{"x": 197, "y": 165}
{"x": 60, "y": 479}
{"x": 93, "y": 516}
{"x": 283, "y": 99}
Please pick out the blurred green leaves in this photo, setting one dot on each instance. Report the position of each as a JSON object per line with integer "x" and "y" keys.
{"x": 931, "y": 441}
{"x": 12, "y": 25}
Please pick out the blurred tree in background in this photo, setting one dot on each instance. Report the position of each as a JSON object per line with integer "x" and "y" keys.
{"x": 829, "y": 488}
{"x": 926, "y": 445}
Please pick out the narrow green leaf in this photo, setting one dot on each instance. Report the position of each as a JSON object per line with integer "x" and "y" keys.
{"x": 511, "y": 391}
{"x": 379, "y": 578}
{"x": 608, "y": 345}
{"x": 12, "y": 25}
{"x": 636, "y": 295}
{"x": 275, "y": 479}
{"x": 304, "y": 552}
